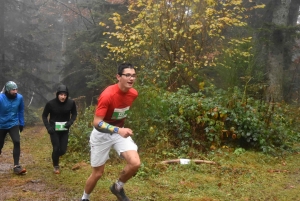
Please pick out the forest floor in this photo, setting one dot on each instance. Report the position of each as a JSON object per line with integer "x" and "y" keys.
{"x": 33, "y": 185}
{"x": 249, "y": 176}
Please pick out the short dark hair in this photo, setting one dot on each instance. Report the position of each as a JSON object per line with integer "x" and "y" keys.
{"x": 123, "y": 66}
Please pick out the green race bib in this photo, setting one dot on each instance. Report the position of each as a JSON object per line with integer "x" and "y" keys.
{"x": 60, "y": 126}
{"x": 120, "y": 113}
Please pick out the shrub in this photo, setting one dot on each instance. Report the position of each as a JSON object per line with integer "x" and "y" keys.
{"x": 181, "y": 123}
{"x": 30, "y": 116}
{"x": 80, "y": 132}
{"x": 178, "y": 122}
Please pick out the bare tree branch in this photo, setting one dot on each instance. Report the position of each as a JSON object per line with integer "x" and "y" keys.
{"x": 75, "y": 11}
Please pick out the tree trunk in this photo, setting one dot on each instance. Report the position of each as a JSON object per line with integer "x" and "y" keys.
{"x": 2, "y": 45}
{"x": 63, "y": 47}
{"x": 276, "y": 50}
{"x": 292, "y": 92}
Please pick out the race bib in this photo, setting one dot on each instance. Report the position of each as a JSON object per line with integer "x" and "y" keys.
{"x": 120, "y": 113}
{"x": 60, "y": 126}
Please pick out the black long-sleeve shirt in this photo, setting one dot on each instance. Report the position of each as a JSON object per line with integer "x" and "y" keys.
{"x": 59, "y": 112}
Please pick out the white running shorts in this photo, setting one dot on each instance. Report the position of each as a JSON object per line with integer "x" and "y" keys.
{"x": 101, "y": 143}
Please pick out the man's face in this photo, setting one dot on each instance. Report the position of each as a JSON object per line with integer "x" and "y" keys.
{"x": 13, "y": 92}
{"x": 127, "y": 79}
{"x": 62, "y": 96}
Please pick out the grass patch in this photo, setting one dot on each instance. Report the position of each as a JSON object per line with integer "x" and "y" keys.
{"x": 245, "y": 176}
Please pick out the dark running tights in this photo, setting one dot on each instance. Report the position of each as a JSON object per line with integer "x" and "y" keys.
{"x": 15, "y": 137}
{"x": 59, "y": 141}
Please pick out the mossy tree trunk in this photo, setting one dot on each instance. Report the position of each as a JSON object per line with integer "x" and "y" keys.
{"x": 279, "y": 51}
{"x": 276, "y": 50}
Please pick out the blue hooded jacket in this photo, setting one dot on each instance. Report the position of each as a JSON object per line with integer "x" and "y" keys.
{"x": 11, "y": 111}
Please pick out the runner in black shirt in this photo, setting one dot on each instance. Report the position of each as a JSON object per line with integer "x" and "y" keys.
{"x": 63, "y": 113}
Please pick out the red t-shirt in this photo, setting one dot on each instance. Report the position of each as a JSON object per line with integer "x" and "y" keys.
{"x": 114, "y": 104}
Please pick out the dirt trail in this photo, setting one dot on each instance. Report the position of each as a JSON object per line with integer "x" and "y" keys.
{"x": 35, "y": 157}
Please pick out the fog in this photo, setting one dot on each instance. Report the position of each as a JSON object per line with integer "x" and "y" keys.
{"x": 44, "y": 43}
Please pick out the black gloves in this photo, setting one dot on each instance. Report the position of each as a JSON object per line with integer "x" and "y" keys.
{"x": 50, "y": 130}
{"x": 21, "y": 128}
{"x": 68, "y": 125}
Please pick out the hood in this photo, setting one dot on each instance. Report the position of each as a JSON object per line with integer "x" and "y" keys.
{"x": 62, "y": 88}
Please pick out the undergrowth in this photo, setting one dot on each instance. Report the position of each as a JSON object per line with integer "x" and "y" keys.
{"x": 182, "y": 123}
{"x": 238, "y": 174}
{"x": 185, "y": 124}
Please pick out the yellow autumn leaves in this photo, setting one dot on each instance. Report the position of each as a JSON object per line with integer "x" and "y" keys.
{"x": 172, "y": 33}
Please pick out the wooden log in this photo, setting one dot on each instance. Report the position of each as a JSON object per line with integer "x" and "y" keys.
{"x": 186, "y": 161}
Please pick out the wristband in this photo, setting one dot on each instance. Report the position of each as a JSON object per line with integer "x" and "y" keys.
{"x": 108, "y": 127}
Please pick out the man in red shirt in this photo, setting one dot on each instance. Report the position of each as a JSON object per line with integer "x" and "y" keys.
{"x": 109, "y": 132}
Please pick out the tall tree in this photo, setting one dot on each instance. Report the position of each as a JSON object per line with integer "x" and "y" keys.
{"x": 277, "y": 37}
{"x": 86, "y": 70}
{"x": 20, "y": 53}
{"x": 173, "y": 40}
{"x": 2, "y": 46}
{"x": 276, "y": 50}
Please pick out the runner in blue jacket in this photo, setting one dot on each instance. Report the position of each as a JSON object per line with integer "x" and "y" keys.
{"x": 12, "y": 120}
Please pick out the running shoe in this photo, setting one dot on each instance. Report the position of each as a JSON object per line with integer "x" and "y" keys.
{"x": 56, "y": 170}
{"x": 120, "y": 194}
{"x": 19, "y": 170}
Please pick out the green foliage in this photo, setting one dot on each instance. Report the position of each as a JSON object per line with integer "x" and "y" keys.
{"x": 236, "y": 62}
{"x": 174, "y": 40}
{"x": 85, "y": 66}
{"x": 239, "y": 151}
{"x": 79, "y": 134}
{"x": 184, "y": 124}
{"x": 30, "y": 116}
{"x": 178, "y": 123}
{"x": 148, "y": 120}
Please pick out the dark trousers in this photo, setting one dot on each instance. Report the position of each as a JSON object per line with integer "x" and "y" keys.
{"x": 15, "y": 136}
{"x": 59, "y": 141}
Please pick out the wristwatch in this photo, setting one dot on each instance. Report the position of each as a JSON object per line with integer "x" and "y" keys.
{"x": 116, "y": 130}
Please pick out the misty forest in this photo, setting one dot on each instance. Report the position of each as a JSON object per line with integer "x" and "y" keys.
{"x": 217, "y": 81}
{"x": 211, "y": 73}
